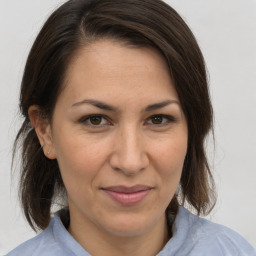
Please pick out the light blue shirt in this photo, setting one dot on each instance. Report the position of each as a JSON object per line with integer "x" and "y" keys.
{"x": 192, "y": 236}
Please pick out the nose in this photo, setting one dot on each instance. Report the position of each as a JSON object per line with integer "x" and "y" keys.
{"x": 129, "y": 152}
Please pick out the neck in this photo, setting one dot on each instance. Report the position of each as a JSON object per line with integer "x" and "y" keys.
{"x": 98, "y": 242}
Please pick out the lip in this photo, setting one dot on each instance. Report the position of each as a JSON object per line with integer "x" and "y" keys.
{"x": 127, "y": 196}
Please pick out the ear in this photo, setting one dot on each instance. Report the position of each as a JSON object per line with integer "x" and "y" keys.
{"x": 43, "y": 131}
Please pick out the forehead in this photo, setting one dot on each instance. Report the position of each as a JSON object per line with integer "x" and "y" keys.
{"x": 110, "y": 56}
{"x": 111, "y": 69}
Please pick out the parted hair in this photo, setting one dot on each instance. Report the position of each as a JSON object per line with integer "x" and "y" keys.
{"x": 139, "y": 23}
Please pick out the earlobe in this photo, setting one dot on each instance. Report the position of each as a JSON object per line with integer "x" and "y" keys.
{"x": 43, "y": 130}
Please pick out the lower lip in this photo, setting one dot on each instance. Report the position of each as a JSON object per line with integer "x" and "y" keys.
{"x": 128, "y": 199}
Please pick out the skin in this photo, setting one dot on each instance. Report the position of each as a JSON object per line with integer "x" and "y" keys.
{"x": 128, "y": 145}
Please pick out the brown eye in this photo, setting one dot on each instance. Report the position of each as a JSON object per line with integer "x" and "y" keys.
{"x": 95, "y": 120}
{"x": 160, "y": 120}
{"x": 157, "y": 120}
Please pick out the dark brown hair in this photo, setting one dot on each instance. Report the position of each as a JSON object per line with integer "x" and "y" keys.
{"x": 139, "y": 23}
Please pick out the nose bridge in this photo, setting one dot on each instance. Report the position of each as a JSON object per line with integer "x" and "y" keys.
{"x": 130, "y": 153}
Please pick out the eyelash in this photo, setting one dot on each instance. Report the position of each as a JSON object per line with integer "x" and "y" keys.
{"x": 85, "y": 120}
{"x": 169, "y": 119}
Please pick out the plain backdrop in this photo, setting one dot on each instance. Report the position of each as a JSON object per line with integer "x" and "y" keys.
{"x": 226, "y": 32}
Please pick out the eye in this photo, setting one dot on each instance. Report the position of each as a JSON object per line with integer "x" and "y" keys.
{"x": 157, "y": 119}
{"x": 160, "y": 120}
{"x": 94, "y": 120}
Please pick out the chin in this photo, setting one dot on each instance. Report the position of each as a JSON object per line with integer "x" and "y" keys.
{"x": 129, "y": 226}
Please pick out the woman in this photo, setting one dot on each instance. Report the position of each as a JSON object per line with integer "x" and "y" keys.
{"x": 116, "y": 109}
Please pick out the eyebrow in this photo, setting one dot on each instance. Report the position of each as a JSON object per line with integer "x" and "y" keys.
{"x": 105, "y": 106}
{"x": 95, "y": 103}
{"x": 159, "y": 105}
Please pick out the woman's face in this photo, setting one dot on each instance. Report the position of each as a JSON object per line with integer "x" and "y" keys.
{"x": 120, "y": 138}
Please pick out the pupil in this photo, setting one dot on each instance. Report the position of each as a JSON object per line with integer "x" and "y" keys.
{"x": 157, "y": 120}
{"x": 95, "y": 120}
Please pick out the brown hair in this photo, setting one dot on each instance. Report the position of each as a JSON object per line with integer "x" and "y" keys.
{"x": 139, "y": 23}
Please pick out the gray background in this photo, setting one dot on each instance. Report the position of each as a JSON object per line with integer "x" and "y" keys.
{"x": 226, "y": 32}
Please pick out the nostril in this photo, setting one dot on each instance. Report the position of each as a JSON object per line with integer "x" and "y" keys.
{"x": 129, "y": 154}
{"x": 129, "y": 165}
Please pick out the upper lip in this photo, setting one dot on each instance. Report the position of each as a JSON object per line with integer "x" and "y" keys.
{"x": 126, "y": 189}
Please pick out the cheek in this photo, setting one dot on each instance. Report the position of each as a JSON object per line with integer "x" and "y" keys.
{"x": 79, "y": 159}
{"x": 169, "y": 160}
{"x": 171, "y": 155}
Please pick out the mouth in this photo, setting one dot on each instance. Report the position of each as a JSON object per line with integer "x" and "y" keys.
{"x": 128, "y": 196}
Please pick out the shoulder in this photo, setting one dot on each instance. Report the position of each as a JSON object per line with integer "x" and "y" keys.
{"x": 223, "y": 239}
{"x": 198, "y": 236}
{"x": 41, "y": 244}
{"x": 55, "y": 240}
